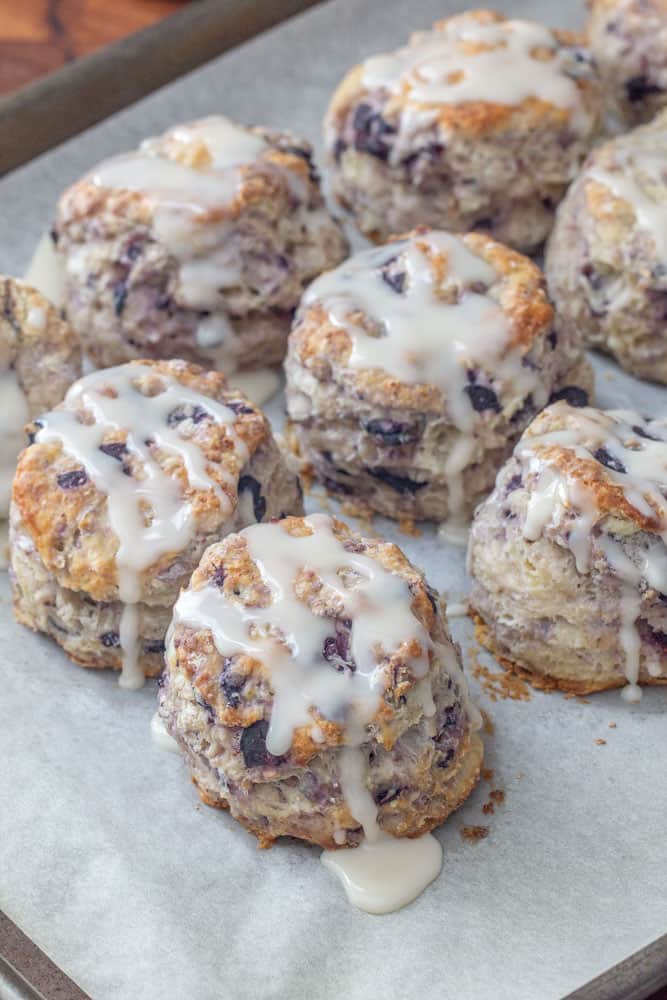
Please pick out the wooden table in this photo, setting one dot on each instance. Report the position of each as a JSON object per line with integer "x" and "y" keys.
{"x": 38, "y": 36}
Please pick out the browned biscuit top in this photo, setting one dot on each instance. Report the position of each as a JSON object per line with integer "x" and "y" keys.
{"x": 479, "y": 73}
{"x": 301, "y": 599}
{"x": 146, "y": 455}
{"x": 406, "y": 321}
{"x": 610, "y": 463}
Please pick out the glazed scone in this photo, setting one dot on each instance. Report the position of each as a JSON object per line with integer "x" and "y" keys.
{"x": 413, "y": 368}
{"x": 606, "y": 261}
{"x": 568, "y": 555}
{"x": 197, "y": 245}
{"x": 628, "y": 40}
{"x": 479, "y": 123}
{"x": 123, "y": 487}
{"x": 314, "y": 689}
{"x": 40, "y": 357}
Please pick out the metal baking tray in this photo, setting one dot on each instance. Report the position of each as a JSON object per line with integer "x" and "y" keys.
{"x": 591, "y": 948}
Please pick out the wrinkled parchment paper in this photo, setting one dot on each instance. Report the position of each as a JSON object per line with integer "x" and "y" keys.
{"x": 110, "y": 863}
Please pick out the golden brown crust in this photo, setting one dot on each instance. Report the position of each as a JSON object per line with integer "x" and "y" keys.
{"x": 520, "y": 290}
{"x": 546, "y": 681}
{"x": 452, "y": 795}
{"x": 265, "y": 180}
{"x": 229, "y": 561}
{"x": 470, "y": 118}
{"x": 48, "y": 511}
{"x": 609, "y": 497}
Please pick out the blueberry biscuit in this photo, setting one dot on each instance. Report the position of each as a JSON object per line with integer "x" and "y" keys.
{"x": 606, "y": 262}
{"x": 628, "y": 40}
{"x": 196, "y": 245}
{"x": 122, "y": 489}
{"x": 413, "y": 368}
{"x": 479, "y": 123}
{"x": 40, "y": 357}
{"x": 314, "y": 689}
{"x": 568, "y": 555}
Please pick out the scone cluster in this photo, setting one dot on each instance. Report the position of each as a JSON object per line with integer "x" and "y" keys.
{"x": 157, "y": 526}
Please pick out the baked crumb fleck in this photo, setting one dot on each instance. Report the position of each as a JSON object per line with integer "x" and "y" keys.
{"x": 601, "y": 742}
{"x": 487, "y": 774}
{"x": 612, "y": 725}
{"x": 498, "y": 796}
{"x": 488, "y": 726}
{"x": 499, "y": 684}
{"x": 407, "y": 526}
{"x": 474, "y": 833}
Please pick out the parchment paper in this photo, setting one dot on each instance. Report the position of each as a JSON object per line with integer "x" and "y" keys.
{"x": 110, "y": 863}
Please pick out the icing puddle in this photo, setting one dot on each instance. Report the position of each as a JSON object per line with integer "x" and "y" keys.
{"x": 386, "y": 874}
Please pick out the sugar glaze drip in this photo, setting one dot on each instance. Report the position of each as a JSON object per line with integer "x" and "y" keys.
{"x": 422, "y": 339}
{"x": 288, "y": 637}
{"x": 501, "y": 62}
{"x": 150, "y": 516}
{"x": 633, "y": 453}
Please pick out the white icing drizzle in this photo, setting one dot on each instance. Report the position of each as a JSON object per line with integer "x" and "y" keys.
{"x": 638, "y": 176}
{"x": 15, "y": 415}
{"x": 161, "y": 737}
{"x": 637, "y": 462}
{"x": 461, "y": 60}
{"x": 187, "y": 193}
{"x": 289, "y": 638}
{"x": 423, "y": 339}
{"x": 45, "y": 271}
{"x": 150, "y": 516}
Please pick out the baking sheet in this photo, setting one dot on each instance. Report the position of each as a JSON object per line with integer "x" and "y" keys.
{"x": 114, "y": 868}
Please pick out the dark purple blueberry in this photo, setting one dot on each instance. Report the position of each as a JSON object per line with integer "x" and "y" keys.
{"x": 53, "y": 233}
{"x": 163, "y": 301}
{"x": 513, "y": 484}
{"x": 394, "y": 278}
{"x": 573, "y": 395}
{"x": 446, "y": 757}
{"x": 610, "y": 461}
{"x": 552, "y": 339}
{"x": 238, "y": 406}
{"x": 219, "y": 576}
{"x": 525, "y": 413}
{"x": 162, "y": 679}
{"x": 484, "y": 223}
{"x": 72, "y": 480}
{"x": 205, "y": 705}
{"x": 654, "y": 637}
{"x": 231, "y": 684}
{"x": 354, "y": 545}
{"x": 399, "y": 483}
{"x": 592, "y": 276}
{"x": 194, "y": 413}
{"x": 307, "y": 155}
{"x": 154, "y": 646}
{"x": 258, "y": 501}
{"x": 339, "y": 149}
{"x": 639, "y": 87}
{"x": 35, "y": 426}
{"x": 643, "y": 433}
{"x": 385, "y": 795}
{"x": 333, "y": 486}
{"x": 391, "y": 432}
{"x": 482, "y": 398}
{"x": 110, "y": 639}
{"x": 336, "y": 648}
{"x": 253, "y": 745}
{"x": 115, "y": 449}
{"x": 370, "y": 132}
{"x": 119, "y": 293}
